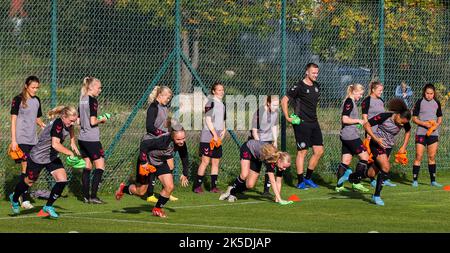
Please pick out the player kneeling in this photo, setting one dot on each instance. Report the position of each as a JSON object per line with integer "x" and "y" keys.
{"x": 161, "y": 164}
{"x": 253, "y": 154}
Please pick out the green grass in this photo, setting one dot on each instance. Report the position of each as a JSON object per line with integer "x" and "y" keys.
{"x": 320, "y": 210}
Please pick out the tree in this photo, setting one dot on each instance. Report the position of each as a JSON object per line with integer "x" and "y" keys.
{"x": 206, "y": 21}
{"x": 351, "y": 26}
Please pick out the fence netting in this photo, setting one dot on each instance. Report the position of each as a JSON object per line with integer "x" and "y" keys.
{"x": 132, "y": 45}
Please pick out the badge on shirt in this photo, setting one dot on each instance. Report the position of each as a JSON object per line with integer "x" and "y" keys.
{"x": 317, "y": 90}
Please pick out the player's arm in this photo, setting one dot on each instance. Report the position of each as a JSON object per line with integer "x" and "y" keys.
{"x": 439, "y": 114}
{"x": 415, "y": 115}
{"x": 365, "y": 104}
{"x": 273, "y": 183}
{"x": 255, "y": 120}
{"x": 406, "y": 138}
{"x": 346, "y": 111}
{"x": 93, "y": 111}
{"x": 15, "y": 106}
{"x": 39, "y": 121}
{"x": 285, "y": 108}
{"x": 376, "y": 120}
{"x": 275, "y": 135}
{"x": 184, "y": 156}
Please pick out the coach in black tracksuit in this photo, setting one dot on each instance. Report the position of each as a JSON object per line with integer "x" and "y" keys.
{"x": 305, "y": 96}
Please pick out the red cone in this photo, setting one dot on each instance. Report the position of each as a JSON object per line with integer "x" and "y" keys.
{"x": 294, "y": 198}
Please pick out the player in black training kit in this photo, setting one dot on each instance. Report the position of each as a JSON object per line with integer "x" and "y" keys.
{"x": 304, "y": 96}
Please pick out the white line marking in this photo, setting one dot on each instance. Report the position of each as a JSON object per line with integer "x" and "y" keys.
{"x": 123, "y": 211}
{"x": 181, "y": 224}
{"x": 199, "y": 206}
{"x": 242, "y": 203}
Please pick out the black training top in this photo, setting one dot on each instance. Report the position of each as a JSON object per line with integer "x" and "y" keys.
{"x": 305, "y": 99}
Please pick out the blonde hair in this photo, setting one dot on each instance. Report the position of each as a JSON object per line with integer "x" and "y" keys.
{"x": 66, "y": 111}
{"x": 271, "y": 154}
{"x": 87, "y": 81}
{"x": 353, "y": 87}
{"x": 156, "y": 91}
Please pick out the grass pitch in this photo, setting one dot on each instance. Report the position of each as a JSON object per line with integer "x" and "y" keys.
{"x": 407, "y": 209}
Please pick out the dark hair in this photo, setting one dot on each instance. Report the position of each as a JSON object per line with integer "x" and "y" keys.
{"x": 373, "y": 85}
{"x": 398, "y": 106}
{"x": 311, "y": 65}
{"x": 428, "y": 86}
{"x": 31, "y": 79}
{"x": 24, "y": 93}
{"x": 213, "y": 88}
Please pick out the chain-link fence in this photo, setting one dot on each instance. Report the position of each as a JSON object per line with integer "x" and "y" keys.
{"x": 255, "y": 47}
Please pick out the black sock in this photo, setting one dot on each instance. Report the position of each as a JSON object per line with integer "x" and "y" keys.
{"x": 309, "y": 173}
{"x": 360, "y": 172}
{"x": 432, "y": 170}
{"x": 86, "y": 182}
{"x": 24, "y": 195}
{"x": 363, "y": 168}
{"x": 266, "y": 183}
{"x": 213, "y": 181}
{"x": 126, "y": 190}
{"x": 238, "y": 186}
{"x": 161, "y": 202}
{"x": 151, "y": 185}
{"x": 96, "y": 180}
{"x": 299, "y": 178}
{"x": 198, "y": 181}
{"x": 380, "y": 179}
{"x": 56, "y": 192}
{"x": 416, "y": 169}
{"x": 340, "y": 172}
{"x": 21, "y": 188}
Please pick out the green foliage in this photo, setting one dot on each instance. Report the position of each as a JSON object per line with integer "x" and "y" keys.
{"x": 442, "y": 93}
{"x": 348, "y": 26}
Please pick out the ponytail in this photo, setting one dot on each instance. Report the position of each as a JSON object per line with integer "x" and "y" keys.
{"x": 156, "y": 91}
{"x": 62, "y": 110}
{"x": 87, "y": 81}
{"x": 269, "y": 153}
{"x": 353, "y": 87}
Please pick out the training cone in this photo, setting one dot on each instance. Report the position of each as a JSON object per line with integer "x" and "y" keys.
{"x": 294, "y": 198}
{"x": 446, "y": 188}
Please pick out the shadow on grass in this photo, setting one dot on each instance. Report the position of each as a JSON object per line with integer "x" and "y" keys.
{"x": 140, "y": 209}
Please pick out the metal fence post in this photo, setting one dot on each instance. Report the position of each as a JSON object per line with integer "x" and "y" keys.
{"x": 54, "y": 46}
{"x": 283, "y": 70}
{"x": 381, "y": 41}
